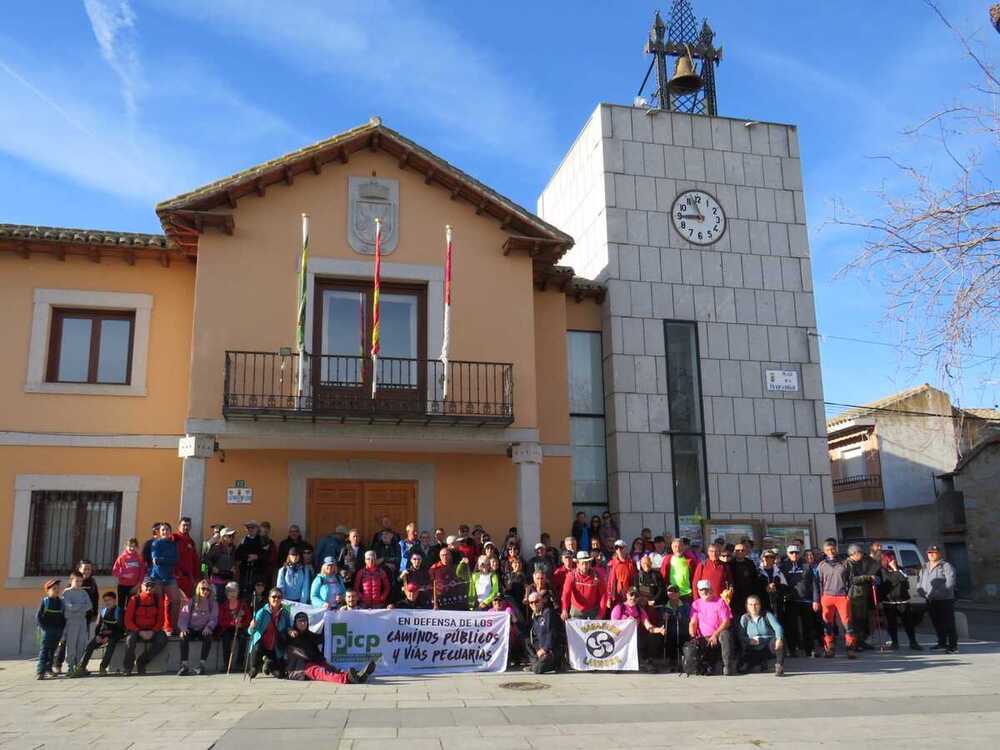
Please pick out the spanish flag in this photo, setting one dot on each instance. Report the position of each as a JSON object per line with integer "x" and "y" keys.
{"x": 375, "y": 321}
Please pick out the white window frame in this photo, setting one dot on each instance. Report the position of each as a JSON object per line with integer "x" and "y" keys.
{"x": 25, "y": 484}
{"x": 41, "y": 328}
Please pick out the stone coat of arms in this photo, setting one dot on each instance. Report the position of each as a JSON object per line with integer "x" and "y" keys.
{"x": 370, "y": 198}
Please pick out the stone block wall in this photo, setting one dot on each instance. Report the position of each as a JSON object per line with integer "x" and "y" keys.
{"x": 751, "y": 294}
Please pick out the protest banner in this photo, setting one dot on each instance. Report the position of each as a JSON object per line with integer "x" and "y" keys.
{"x": 418, "y": 641}
{"x": 603, "y": 645}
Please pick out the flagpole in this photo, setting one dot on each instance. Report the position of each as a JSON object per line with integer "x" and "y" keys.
{"x": 445, "y": 340}
{"x": 303, "y": 294}
{"x": 377, "y": 283}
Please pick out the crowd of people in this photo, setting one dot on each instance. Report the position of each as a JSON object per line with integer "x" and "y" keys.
{"x": 693, "y": 608}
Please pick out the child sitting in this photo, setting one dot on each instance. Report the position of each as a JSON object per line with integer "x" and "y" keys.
{"x": 110, "y": 630}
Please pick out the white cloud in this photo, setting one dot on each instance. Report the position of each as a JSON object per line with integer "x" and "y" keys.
{"x": 397, "y": 54}
{"x": 113, "y": 24}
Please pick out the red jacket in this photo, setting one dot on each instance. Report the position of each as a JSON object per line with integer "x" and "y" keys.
{"x": 239, "y": 619}
{"x": 372, "y": 585}
{"x": 620, "y": 577}
{"x": 188, "y": 565}
{"x": 559, "y": 579}
{"x": 147, "y": 611}
{"x": 688, "y": 555}
{"x": 715, "y": 572}
{"x": 583, "y": 593}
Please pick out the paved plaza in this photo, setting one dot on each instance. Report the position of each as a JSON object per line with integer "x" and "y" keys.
{"x": 905, "y": 700}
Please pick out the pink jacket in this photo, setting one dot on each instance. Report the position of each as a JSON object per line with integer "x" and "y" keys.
{"x": 129, "y": 569}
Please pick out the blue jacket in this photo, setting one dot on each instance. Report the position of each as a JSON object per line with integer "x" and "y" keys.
{"x": 328, "y": 546}
{"x": 405, "y": 548}
{"x": 294, "y": 583}
{"x": 260, "y": 622}
{"x": 164, "y": 553}
{"x": 325, "y": 590}
{"x": 765, "y": 629}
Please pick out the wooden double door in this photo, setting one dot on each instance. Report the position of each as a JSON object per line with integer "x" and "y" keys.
{"x": 358, "y": 505}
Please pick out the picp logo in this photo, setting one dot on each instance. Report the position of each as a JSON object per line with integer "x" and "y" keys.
{"x": 347, "y": 642}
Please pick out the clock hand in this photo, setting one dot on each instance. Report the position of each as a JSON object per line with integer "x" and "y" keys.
{"x": 693, "y": 216}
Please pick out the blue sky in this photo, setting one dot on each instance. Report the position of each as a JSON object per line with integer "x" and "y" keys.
{"x": 110, "y": 106}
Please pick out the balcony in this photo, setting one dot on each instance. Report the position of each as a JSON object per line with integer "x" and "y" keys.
{"x": 862, "y": 480}
{"x": 265, "y": 385}
{"x": 859, "y": 492}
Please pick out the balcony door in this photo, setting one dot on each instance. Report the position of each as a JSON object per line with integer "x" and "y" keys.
{"x": 342, "y": 366}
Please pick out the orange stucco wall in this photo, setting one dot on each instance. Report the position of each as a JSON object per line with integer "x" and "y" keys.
{"x": 550, "y": 356}
{"x": 159, "y": 473}
{"x": 583, "y": 316}
{"x": 162, "y": 410}
{"x": 470, "y": 488}
{"x": 246, "y": 286}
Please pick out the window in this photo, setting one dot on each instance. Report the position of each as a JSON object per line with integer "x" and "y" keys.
{"x": 848, "y": 533}
{"x": 66, "y": 526}
{"x": 343, "y": 336}
{"x": 589, "y": 471}
{"x": 908, "y": 558}
{"x": 90, "y": 346}
{"x": 852, "y": 462}
{"x": 687, "y": 438}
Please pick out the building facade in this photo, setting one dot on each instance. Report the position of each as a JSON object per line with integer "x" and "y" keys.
{"x": 119, "y": 345}
{"x": 976, "y": 480}
{"x": 894, "y": 470}
{"x": 713, "y": 396}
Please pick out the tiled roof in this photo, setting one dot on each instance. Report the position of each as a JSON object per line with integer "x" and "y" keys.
{"x": 883, "y": 403}
{"x": 374, "y": 135}
{"x": 31, "y": 233}
{"x": 990, "y": 414}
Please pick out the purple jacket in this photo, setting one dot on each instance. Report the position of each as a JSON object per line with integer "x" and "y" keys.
{"x": 199, "y": 617}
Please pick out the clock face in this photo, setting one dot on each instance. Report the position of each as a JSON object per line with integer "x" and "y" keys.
{"x": 698, "y": 217}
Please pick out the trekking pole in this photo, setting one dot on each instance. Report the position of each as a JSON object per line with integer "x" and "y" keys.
{"x": 236, "y": 639}
{"x": 253, "y": 620}
{"x": 878, "y": 621}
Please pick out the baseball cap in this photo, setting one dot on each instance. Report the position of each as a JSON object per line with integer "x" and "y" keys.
{"x": 933, "y": 548}
{"x": 769, "y": 553}
{"x": 251, "y": 523}
{"x": 619, "y": 543}
{"x": 671, "y": 587}
{"x": 450, "y": 539}
{"x": 329, "y": 561}
{"x": 412, "y": 587}
{"x": 792, "y": 548}
{"x": 50, "y": 583}
{"x": 703, "y": 584}
{"x": 539, "y": 546}
{"x": 226, "y": 531}
{"x": 567, "y": 553}
{"x": 340, "y": 530}
{"x": 581, "y": 556}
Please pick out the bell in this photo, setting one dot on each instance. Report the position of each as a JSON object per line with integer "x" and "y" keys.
{"x": 685, "y": 80}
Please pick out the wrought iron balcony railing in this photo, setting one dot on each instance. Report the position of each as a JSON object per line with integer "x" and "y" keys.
{"x": 261, "y": 385}
{"x": 861, "y": 480}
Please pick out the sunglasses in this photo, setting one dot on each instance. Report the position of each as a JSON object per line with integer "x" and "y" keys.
{"x": 274, "y": 598}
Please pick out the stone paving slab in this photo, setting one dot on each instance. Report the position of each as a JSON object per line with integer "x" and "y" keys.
{"x": 924, "y": 697}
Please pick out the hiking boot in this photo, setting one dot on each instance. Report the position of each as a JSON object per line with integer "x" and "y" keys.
{"x": 365, "y": 673}
{"x": 779, "y": 670}
{"x": 266, "y": 666}
{"x": 40, "y": 676}
{"x": 352, "y": 676}
{"x": 127, "y": 672}
{"x": 82, "y": 672}
{"x": 914, "y": 646}
{"x": 183, "y": 671}
{"x": 893, "y": 645}
{"x": 728, "y": 671}
{"x": 951, "y": 650}
{"x": 140, "y": 668}
{"x": 199, "y": 670}
{"x": 103, "y": 671}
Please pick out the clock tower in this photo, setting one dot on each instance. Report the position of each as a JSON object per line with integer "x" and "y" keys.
{"x": 696, "y": 224}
